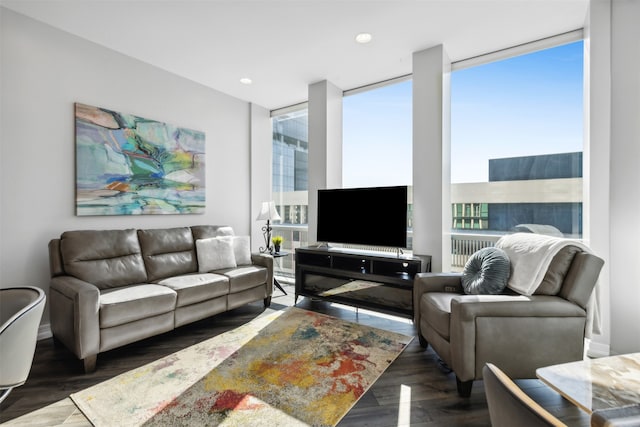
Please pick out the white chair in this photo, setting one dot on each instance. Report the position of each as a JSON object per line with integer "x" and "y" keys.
{"x": 20, "y": 313}
{"x": 509, "y": 405}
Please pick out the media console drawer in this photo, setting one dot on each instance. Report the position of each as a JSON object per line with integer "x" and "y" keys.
{"x": 320, "y": 260}
{"x": 382, "y": 282}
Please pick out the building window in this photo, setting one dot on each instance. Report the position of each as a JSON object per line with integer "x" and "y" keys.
{"x": 470, "y": 216}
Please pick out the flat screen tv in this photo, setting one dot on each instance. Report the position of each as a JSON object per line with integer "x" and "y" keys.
{"x": 375, "y": 216}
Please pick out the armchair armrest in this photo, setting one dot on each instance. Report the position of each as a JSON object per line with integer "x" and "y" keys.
{"x": 522, "y": 332}
{"x": 470, "y": 307}
{"x": 433, "y": 282}
{"x": 75, "y": 314}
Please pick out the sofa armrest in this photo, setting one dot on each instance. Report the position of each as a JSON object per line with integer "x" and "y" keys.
{"x": 75, "y": 314}
{"x": 265, "y": 260}
{"x": 433, "y": 282}
{"x": 540, "y": 330}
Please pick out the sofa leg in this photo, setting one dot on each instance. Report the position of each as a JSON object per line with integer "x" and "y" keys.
{"x": 90, "y": 363}
{"x": 423, "y": 342}
{"x": 464, "y": 387}
{"x": 267, "y": 301}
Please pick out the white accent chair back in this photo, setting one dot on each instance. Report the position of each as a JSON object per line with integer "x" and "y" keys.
{"x": 509, "y": 405}
{"x": 20, "y": 314}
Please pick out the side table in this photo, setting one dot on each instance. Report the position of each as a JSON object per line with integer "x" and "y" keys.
{"x": 277, "y": 284}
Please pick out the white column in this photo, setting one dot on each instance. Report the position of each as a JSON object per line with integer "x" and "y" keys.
{"x": 325, "y": 145}
{"x": 625, "y": 177}
{"x": 431, "y": 156}
{"x": 261, "y": 154}
{"x": 612, "y": 150}
{"x": 596, "y": 170}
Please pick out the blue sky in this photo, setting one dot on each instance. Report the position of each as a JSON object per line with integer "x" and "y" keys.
{"x": 526, "y": 105}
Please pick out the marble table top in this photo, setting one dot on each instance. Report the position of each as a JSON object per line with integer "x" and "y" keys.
{"x": 592, "y": 384}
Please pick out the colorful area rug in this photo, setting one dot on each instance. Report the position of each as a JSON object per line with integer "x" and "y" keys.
{"x": 286, "y": 368}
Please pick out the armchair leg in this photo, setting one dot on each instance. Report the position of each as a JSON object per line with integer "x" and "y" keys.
{"x": 267, "y": 301}
{"x": 90, "y": 363}
{"x": 464, "y": 387}
{"x": 4, "y": 393}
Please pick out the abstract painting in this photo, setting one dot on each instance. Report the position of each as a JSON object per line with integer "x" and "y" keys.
{"x": 128, "y": 165}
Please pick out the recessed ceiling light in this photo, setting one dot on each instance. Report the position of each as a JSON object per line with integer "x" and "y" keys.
{"x": 363, "y": 38}
{"x": 246, "y": 81}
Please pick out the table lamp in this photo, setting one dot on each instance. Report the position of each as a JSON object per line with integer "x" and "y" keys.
{"x": 269, "y": 213}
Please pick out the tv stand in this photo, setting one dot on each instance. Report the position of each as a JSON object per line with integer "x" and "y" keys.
{"x": 372, "y": 280}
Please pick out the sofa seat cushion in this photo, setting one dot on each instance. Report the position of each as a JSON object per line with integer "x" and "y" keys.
{"x": 436, "y": 307}
{"x": 130, "y": 303}
{"x": 244, "y": 277}
{"x": 193, "y": 288}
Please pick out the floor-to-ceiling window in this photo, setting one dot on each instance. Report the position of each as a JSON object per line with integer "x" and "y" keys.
{"x": 290, "y": 180}
{"x": 377, "y": 138}
{"x": 516, "y": 147}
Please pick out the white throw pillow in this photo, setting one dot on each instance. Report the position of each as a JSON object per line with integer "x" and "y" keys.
{"x": 224, "y": 231}
{"x": 242, "y": 250}
{"x": 215, "y": 254}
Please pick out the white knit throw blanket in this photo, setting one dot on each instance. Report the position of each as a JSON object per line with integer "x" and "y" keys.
{"x": 530, "y": 256}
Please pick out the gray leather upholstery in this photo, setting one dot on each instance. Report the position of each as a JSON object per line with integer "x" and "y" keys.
{"x": 20, "y": 313}
{"x": 113, "y": 287}
{"x": 105, "y": 258}
{"x": 518, "y": 333}
{"x": 509, "y": 406}
{"x": 168, "y": 252}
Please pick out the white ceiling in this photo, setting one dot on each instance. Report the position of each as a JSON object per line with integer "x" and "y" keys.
{"x": 284, "y": 45}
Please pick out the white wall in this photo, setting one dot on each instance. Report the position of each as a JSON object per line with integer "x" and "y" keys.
{"x": 261, "y": 164}
{"x": 596, "y": 159}
{"x": 613, "y": 93}
{"x": 625, "y": 176}
{"x": 44, "y": 71}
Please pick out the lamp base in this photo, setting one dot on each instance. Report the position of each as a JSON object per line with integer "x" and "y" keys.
{"x": 266, "y": 233}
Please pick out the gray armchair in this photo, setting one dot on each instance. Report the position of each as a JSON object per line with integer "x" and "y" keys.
{"x": 20, "y": 314}
{"x": 519, "y": 333}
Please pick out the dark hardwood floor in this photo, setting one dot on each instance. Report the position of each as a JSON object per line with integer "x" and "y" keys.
{"x": 414, "y": 391}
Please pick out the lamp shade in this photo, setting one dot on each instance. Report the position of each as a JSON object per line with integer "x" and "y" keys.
{"x": 268, "y": 212}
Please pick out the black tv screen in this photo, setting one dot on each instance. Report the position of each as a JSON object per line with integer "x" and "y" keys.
{"x": 375, "y": 216}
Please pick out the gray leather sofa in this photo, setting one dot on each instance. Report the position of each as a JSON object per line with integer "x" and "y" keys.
{"x": 110, "y": 288}
{"x": 515, "y": 332}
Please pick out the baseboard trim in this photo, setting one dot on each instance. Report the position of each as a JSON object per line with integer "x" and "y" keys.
{"x": 44, "y": 332}
{"x": 597, "y": 349}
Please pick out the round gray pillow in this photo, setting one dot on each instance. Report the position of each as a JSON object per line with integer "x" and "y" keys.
{"x": 486, "y": 272}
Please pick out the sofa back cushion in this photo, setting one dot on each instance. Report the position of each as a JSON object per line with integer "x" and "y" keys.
{"x": 106, "y": 258}
{"x": 558, "y": 269}
{"x": 168, "y": 252}
{"x": 581, "y": 278}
